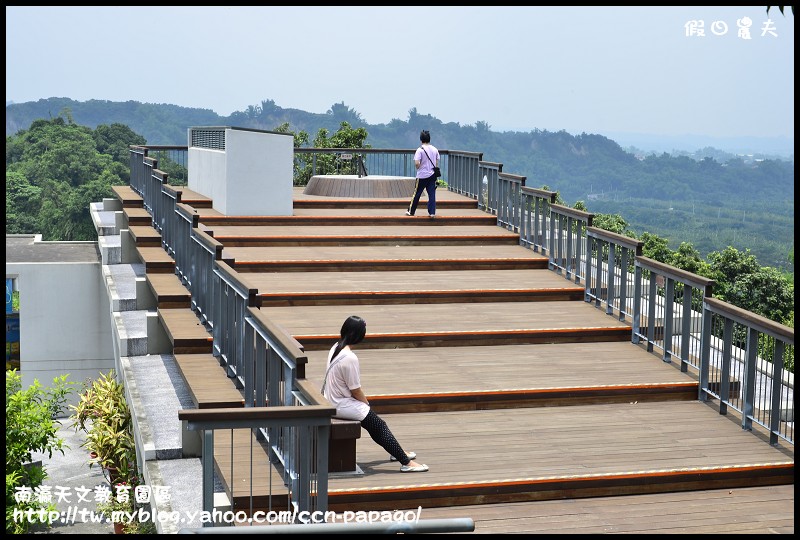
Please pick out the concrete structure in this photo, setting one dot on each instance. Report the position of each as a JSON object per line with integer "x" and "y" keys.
{"x": 64, "y": 319}
{"x": 246, "y": 172}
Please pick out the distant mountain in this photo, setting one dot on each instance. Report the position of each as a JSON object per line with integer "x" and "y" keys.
{"x": 708, "y": 197}
{"x": 167, "y": 124}
{"x": 766, "y": 147}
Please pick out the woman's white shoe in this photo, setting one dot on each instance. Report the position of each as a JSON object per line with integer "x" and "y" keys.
{"x": 418, "y": 468}
{"x": 411, "y": 455}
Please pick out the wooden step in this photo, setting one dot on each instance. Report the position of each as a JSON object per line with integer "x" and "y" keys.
{"x": 187, "y": 334}
{"x": 505, "y": 376}
{"x": 183, "y": 194}
{"x": 156, "y": 260}
{"x": 382, "y": 258}
{"x": 128, "y": 196}
{"x": 398, "y": 203}
{"x": 168, "y": 291}
{"x": 145, "y": 235}
{"x": 398, "y": 287}
{"x": 453, "y": 325}
{"x": 138, "y": 216}
{"x": 340, "y": 218}
{"x": 357, "y": 235}
{"x": 539, "y": 454}
{"x": 208, "y": 384}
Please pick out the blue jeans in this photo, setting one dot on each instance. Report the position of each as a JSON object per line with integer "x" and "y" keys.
{"x": 424, "y": 184}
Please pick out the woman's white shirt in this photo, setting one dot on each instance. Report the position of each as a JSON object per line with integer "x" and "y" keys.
{"x": 344, "y": 376}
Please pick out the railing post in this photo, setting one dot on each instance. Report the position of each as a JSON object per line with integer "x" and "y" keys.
{"x": 208, "y": 472}
{"x": 705, "y": 355}
{"x": 637, "y": 305}
{"x": 748, "y": 405}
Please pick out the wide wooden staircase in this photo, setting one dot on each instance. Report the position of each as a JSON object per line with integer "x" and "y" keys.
{"x": 487, "y": 364}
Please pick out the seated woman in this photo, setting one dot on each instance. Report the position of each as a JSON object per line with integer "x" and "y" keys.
{"x": 342, "y": 387}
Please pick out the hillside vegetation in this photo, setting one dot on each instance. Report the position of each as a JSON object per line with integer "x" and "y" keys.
{"x": 741, "y": 202}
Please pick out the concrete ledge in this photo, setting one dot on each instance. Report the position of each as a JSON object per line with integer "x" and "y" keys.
{"x": 110, "y": 249}
{"x": 130, "y": 328}
{"x": 159, "y": 409}
{"x": 121, "y": 285}
{"x": 104, "y": 221}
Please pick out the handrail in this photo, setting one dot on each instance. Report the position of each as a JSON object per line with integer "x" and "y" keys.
{"x": 669, "y": 309}
{"x": 753, "y": 350}
{"x": 608, "y": 276}
{"x": 535, "y": 218}
{"x": 568, "y": 241}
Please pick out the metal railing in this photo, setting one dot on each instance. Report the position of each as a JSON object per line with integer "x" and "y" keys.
{"x": 670, "y": 310}
{"x": 609, "y": 281}
{"x": 534, "y": 231}
{"x": 740, "y": 346}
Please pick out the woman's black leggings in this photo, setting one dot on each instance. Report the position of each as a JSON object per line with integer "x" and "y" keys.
{"x": 381, "y": 434}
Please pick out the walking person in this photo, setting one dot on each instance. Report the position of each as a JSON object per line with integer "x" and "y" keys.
{"x": 425, "y": 159}
{"x": 342, "y": 387}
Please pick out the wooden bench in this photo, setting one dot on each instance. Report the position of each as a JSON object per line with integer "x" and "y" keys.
{"x": 342, "y": 445}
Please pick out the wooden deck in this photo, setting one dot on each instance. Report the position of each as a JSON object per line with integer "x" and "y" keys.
{"x": 532, "y": 408}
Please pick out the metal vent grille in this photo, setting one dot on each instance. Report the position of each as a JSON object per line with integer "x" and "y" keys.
{"x": 209, "y": 138}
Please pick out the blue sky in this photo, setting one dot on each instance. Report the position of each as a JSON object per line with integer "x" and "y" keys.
{"x": 600, "y": 70}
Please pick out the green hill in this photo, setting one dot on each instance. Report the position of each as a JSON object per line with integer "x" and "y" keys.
{"x": 741, "y": 202}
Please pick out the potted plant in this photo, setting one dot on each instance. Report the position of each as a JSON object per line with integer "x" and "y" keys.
{"x": 103, "y": 413}
{"x": 118, "y": 510}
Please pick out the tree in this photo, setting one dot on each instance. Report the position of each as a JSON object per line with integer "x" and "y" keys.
{"x": 56, "y": 169}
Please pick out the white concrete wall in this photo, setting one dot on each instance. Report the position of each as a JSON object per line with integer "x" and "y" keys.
{"x": 259, "y": 173}
{"x": 251, "y": 177}
{"x": 64, "y": 326}
{"x": 207, "y": 172}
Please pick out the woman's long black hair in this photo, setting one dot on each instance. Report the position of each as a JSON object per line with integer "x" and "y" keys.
{"x": 353, "y": 331}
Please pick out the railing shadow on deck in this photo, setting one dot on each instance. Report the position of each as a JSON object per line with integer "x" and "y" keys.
{"x": 670, "y": 310}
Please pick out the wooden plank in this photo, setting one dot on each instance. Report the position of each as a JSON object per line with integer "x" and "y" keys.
{"x": 415, "y": 325}
{"x": 208, "y": 384}
{"x": 501, "y": 457}
{"x": 399, "y": 287}
{"x": 750, "y": 510}
{"x": 535, "y": 454}
{"x": 145, "y": 236}
{"x": 127, "y": 196}
{"x": 156, "y": 260}
{"x": 138, "y": 216}
{"x": 185, "y": 331}
{"x": 169, "y": 291}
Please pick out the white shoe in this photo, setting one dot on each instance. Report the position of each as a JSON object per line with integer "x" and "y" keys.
{"x": 408, "y": 213}
{"x": 418, "y": 468}
{"x": 411, "y": 455}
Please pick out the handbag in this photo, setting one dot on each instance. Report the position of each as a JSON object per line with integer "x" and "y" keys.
{"x": 437, "y": 172}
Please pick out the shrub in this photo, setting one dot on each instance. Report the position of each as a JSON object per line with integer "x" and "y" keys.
{"x": 30, "y": 427}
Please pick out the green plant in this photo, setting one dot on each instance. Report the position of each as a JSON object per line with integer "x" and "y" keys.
{"x": 122, "y": 509}
{"x": 103, "y": 413}
{"x": 115, "y": 503}
{"x": 30, "y": 427}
